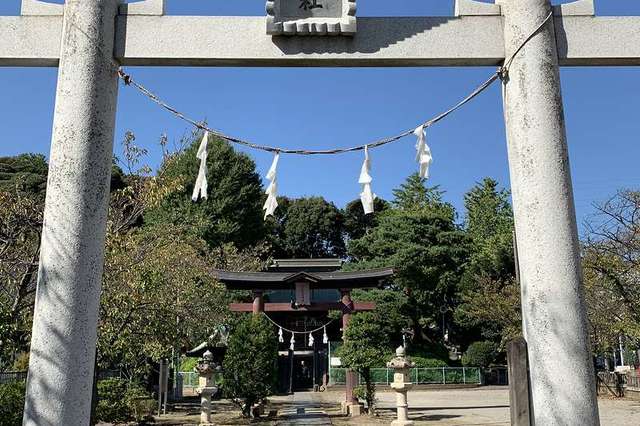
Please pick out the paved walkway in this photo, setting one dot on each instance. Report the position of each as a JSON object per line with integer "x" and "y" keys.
{"x": 305, "y": 408}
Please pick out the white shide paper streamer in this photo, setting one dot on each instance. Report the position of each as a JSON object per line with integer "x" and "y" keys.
{"x": 201, "y": 187}
{"x": 423, "y": 156}
{"x": 271, "y": 204}
{"x": 367, "y": 196}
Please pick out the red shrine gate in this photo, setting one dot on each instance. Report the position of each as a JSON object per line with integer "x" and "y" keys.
{"x": 298, "y": 296}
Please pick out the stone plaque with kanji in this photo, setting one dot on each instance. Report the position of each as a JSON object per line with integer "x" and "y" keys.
{"x": 311, "y": 17}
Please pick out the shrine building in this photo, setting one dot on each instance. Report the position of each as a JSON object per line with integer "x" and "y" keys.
{"x": 309, "y": 300}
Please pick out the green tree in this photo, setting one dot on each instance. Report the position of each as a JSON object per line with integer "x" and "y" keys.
{"x": 307, "y": 228}
{"x": 20, "y": 229}
{"x": 413, "y": 194}
{"x": 356, "y": 223}
{"x": 233, "y": 211}
{"x": 427, "y": 249}
{"x": 364, "y": 348}
{"x": 489, "y": 223}
{"x": 249, "y": 366}
{"x": 489, "y": 293}
{"x": 390, "y": 314}
{"x": 158, "y": 295}
{"x": 25, "y": 173}
{"x": 480, "y": 354}
{"x": 12, "y": 396}
{"x": 611, "y": 264}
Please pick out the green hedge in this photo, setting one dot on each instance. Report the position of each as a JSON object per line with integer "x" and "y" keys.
{"x": 121, "y": 401}
{"x": 480, "y": 354}
{"x": 422, "y": 362}
{"x": 11, "y": 403}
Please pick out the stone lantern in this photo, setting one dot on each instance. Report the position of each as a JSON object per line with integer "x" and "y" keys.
{"x": 206, "y": 368}
{"x": 401, "y": 384}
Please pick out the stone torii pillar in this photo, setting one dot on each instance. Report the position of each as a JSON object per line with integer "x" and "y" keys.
{"x": 554, "y": 315}
{"x": 63, "y": 344}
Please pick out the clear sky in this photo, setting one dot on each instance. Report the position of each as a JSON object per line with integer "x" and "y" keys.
{"x": 322, "y": 108}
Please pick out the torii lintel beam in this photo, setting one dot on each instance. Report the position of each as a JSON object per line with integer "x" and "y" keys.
{"x": 390, "y": 42}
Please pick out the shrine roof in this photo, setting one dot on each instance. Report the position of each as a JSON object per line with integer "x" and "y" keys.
{"x": 286, "y": 280}
{"x": 307, "y": 265}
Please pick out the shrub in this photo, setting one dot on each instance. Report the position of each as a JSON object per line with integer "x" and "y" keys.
{"x": 141, "y": 404}
{"x": 22, "y": 362}
{"x": 11, "y": 403}
{"x": 360, "y": 393}
{"x": 480, "y": 354}
{"x": 249, "y": 366}
{"x": 422, "y": 362}
{"x": 364, "y": 349}
{"x": 120, "y": 401}
{"x": 112, "y": 406}
{"x": 188, "y": 364}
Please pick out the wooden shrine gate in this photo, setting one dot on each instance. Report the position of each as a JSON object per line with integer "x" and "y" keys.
{"x": 84, "y": 42}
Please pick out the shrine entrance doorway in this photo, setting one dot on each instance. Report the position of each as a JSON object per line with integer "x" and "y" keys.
{"x": 304, "y": 367}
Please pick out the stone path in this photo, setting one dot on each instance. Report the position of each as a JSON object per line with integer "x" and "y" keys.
{"x": 305, "y": 410}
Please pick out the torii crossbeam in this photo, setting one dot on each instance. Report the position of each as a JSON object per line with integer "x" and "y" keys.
{"x": 91, "y": 34}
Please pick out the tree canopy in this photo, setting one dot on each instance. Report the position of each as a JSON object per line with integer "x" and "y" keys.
{"x": 427, "y": 249}
{"x": 24, "y": 173}
{"x": 249, "y": 373}
{"x": 356, "y": 223}
{"x": 307, "y": 228}
{"x": 489, "y": 293}
{"x": 364, "y": 348}
{"x": 233, "y": 211}
{"x": 611, "y": 261}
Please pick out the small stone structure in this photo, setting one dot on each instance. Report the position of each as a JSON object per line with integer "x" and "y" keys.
{"x": 401, "y": 384}
{"x": 311, "y": 17}
{"x": 206, "y": 369}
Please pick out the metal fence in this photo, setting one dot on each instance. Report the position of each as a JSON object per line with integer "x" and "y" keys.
{"x": 419, "y": 376}
{"x": 633, "y": 381}
{"x": 188, "y": 379}
{"x": 12, "y": 376}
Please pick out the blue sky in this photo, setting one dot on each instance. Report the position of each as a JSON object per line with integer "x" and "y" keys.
{"x": 320, "y": 108}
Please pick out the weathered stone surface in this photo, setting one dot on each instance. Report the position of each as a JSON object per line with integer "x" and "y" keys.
{"x": 40, "y": 8}
{"x": 144, "y": 7}
{"x": 59, "y": 385}
{"x": 311, "y": 17}
{"x": 576, "y": 8}
{"x": 401, "y": 384}
{"x": 475, "y": 8}
{"x": 394, "y": 42}
{"x": 553, "y": 308}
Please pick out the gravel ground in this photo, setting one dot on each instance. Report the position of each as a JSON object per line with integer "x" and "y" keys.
{"x": 478, "y": 406}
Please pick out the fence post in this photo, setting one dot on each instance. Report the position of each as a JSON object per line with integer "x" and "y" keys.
{"x": 519, "y": 395}
{"x": 444, "y": 377}
{"x": 464, "y": 376}
{"x": 387, "y": 376}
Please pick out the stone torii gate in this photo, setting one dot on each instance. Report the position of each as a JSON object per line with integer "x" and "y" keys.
{"x": 84, "y": 40}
